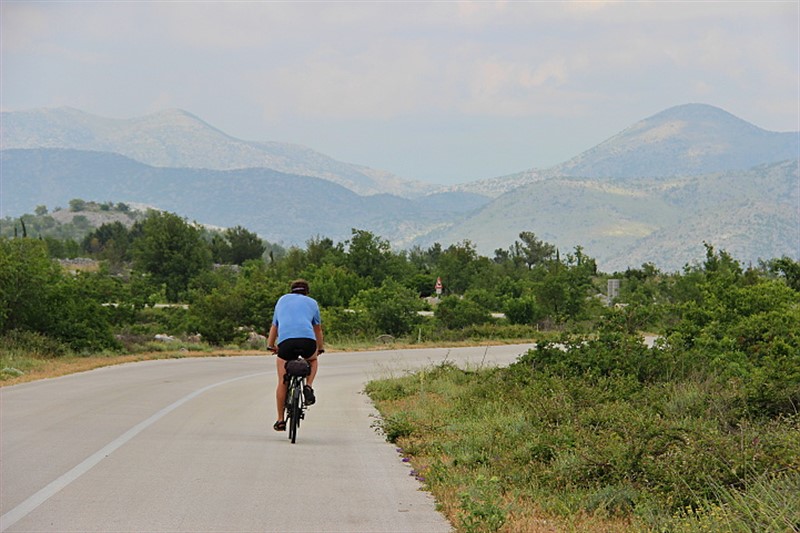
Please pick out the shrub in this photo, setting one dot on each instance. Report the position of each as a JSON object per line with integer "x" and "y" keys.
{"x": 391, "y": 308}
{"x": 31, "y": 344}
{"x": 523, "y": 310}
{"x": 454, "y": 312}
{"x": 340, "y": 323}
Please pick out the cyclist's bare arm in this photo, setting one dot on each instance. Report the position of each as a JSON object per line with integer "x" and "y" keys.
{"x": 273, "y": 336}
{"x": 319, "y": 338}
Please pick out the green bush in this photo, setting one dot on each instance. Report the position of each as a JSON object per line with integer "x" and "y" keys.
{"x": 603, "y": 424}
{"x": 523, "y": 310}
{"x": 390, "y": 308}
{"x": 36, "y": 296}
{"x": 454, "y": 312}
{"x": 31, "y": 344}
{"x": 340, "y": 323}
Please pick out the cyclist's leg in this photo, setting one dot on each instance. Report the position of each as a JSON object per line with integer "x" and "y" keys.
{"x": 313, "y": 362}
{"x": 280, "y": 391}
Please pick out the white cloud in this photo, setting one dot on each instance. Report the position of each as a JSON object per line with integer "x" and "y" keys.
{"x": 369, "y": 62}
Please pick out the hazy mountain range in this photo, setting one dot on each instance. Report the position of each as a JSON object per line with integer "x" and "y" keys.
{"x": 652, "y": 193}
{"x": 175, "y": 138}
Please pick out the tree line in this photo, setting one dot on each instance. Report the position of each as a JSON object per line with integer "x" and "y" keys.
{"x": 230, "y": 280}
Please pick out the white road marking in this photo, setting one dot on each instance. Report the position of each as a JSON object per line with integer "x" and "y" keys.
{"x": 23, "y": 509}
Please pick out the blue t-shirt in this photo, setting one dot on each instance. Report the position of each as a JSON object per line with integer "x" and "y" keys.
{"x": 295, "y": 317}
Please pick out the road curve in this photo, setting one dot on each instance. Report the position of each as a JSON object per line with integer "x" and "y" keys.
{"x": 188, "y": 445}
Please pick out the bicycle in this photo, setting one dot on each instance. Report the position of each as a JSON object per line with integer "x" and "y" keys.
{"x": 295, "y": 403}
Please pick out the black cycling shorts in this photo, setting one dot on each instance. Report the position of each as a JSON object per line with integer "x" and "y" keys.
{"x": 291, "y": 348}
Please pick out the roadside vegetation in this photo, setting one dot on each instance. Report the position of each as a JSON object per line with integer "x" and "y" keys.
{"x": 601, "y": 432}
{"x": 593, "y": 430}
{"x": 160, "y": 286}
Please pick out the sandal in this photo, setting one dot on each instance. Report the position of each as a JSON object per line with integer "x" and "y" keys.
{"x": 280, "y": 425}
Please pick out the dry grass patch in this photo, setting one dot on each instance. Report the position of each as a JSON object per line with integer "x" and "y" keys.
{"x": 62, "y": 366}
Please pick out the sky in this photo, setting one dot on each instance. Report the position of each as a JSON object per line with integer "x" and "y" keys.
{"x": 440, "y": 92}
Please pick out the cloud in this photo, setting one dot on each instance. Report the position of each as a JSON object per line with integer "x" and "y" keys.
{"x": 284, "y": 62}
{"x": 163, "y": 100}
{"x": 329, "y": 83}
{"x": 20, "y": 25}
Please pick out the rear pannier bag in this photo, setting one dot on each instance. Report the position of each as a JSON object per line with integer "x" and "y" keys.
{"x": 298, "y": 367}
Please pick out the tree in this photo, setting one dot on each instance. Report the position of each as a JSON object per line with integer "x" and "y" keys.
{"x": 523, "y": 310}
{"x": 532, "y": 250}
{"x": 425, "y": 260}
{"x": 220, "y": 249}
{"x": 62, "y": 249}
{"x": 27, "y": 279}
{"x": 563, "y": 290}
{"x": 457, "y": 266}
{"x": 789, "y": 269}
{"x": 322, "y": 250}
{"x": 77, "y": 318}
{"x": 36, "y": 296}
{"x": 235, "y": 246}
{"x": 110, "y": 241}
{"x": 226, "y": 312}
{"x": 76, "y": 205}
{"x": 171, "y": 251}
{"x": 391, "y": 308}
{"x": 244, "y": 245}
{"x": 334, "y": 286}
{"x": 367, "y": 255}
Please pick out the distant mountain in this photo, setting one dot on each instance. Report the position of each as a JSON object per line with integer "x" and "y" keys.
{"x": 652, "y": 193}
{"x": 754, "y": 214}
{"x": 685, "y": 140}
{"x": 282, "y": 208}
{"x": 178, "y": 139}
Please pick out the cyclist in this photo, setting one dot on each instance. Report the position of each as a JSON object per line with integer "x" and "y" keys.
{"x": 297, "y": 327}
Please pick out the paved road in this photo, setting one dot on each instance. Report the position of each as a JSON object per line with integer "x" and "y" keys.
{"x": 187, "y": 445}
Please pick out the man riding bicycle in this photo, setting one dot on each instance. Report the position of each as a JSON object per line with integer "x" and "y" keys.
{"x": 297, "y": 327}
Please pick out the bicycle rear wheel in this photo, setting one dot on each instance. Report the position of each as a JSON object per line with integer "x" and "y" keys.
{"x": 294, "y": 413}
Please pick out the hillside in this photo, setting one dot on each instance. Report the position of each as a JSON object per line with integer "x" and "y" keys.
{"x": 651, "y": 193}
{"x": 753, "y": 214}
{"x": 176, "y": 138}
{"x": 691, "y": 139}
{"x": 282, "y": 208}
{"x": 685, "y": 140}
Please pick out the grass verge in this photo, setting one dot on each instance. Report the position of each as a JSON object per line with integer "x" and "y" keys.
{"x": 502, "y": 450}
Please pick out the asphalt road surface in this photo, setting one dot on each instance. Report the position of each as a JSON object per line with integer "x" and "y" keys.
{"x": 188, "y": 445}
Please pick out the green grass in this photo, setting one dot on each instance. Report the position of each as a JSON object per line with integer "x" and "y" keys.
{"x": 505, "y": 449}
